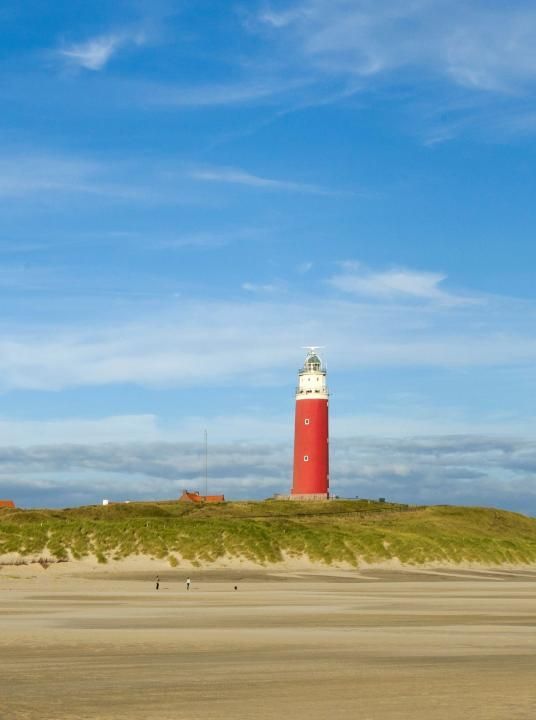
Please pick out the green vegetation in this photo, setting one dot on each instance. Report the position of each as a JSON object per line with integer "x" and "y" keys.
{"x": 266, "y": 532}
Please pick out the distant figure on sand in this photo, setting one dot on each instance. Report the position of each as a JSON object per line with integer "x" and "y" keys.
{"x": 188, "y": 581}
{"x": 157, "y": 582}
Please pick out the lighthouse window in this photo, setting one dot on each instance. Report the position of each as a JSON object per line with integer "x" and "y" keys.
{"x": 306, "y": 458}
{"x": 306, "y": 421}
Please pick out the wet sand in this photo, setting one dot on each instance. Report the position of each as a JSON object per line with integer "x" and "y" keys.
{"x": 373, "y": 645}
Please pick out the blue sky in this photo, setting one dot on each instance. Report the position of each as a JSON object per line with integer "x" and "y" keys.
{"x": 191, "y": 192}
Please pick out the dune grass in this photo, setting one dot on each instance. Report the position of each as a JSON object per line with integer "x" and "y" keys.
{"x": 349, "y": 531}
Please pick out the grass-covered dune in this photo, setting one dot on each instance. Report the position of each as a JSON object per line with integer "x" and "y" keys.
{"x": 335, "y": 532}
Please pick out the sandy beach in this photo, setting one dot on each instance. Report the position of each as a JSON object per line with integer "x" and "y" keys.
{"x": 377, "y": 644}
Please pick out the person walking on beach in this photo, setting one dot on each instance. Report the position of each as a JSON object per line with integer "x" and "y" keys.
{"x": 157, "y": 582}
{"x": 188, "y": 581}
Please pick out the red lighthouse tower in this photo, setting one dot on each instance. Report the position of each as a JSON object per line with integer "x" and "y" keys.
{"x": 311, "y": 441}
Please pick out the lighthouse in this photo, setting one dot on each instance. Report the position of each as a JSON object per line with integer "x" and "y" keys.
{"x": 311, "y": 441}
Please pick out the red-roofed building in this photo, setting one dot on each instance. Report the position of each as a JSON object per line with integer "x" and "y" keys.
{"x": 195, "y": 497}
{"x": 7, "y": 503}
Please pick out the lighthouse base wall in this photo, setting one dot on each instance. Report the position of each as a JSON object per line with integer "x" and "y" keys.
{"x": 304, "y": 496}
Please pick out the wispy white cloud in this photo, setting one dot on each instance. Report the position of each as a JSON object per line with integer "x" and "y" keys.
{"x": 214, "y": 238}
{"x": 261, "y": 287}
{"x": 95, "y": 53}
{"x": 470, "y": 65}
{"x": 47, "y": 175}
{"x": 41, "y": 176}
{"x": 263, "y": 90}
{"x": 395, "y": 284}
{"x": 25, "y": 277}
{"x": 281, "y": 19}
{"x": 236, "y": 176}
{"x": 194, "y": 239}
{"x": 304, "y": 267}
{"x": 172, "y": 346}
{"x": 80, "y": 431}
{"x": 475, "y": 45}
{"x": 254, "y": 425}
{"x": 23, "y": 174}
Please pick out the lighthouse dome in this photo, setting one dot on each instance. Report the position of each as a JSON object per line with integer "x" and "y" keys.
{"x": 312, "y": 363}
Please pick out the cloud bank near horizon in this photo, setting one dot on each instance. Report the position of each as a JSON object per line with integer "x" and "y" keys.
{"x": 465, "y": 469}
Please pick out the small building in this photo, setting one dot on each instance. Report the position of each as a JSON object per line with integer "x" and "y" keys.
{"x": 7, "y": 503}
{"x": 195, "y": 497}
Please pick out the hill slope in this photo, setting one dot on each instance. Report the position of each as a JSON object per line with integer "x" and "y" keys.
{"x": 341, "y": 531}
